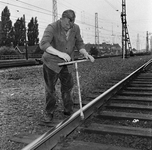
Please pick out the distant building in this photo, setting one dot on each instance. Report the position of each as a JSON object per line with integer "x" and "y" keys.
{"x": 31, "y": 51}
{"x": 22, "y": 50}
{"x": 116, "y": 49}
{"x": 105, "y": 48}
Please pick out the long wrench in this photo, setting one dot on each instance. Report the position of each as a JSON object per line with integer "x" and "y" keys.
{"x": 78, "y": 82}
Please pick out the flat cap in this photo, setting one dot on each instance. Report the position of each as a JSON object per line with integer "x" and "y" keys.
{"x": 69, "y": 14}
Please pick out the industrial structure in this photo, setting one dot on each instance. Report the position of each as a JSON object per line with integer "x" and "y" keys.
{"x": 96, "y": 31}
{"x": 55, "y": 14}
{"x": 125, "y": 34}
{"x": 138, "y": 43}
{"x": 126, "y": 43}
{"x": 147, "y": 42}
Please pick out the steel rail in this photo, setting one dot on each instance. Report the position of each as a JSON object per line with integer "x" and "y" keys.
{"x": 18, "y": 63}
{"x": 49, "y": 139}
{"x": 147, "y": 64}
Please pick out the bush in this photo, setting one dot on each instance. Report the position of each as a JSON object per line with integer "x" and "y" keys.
{"x": 38, "y": 50}
{"x": 7, "y": 51}
{"x": 94, "y": 51}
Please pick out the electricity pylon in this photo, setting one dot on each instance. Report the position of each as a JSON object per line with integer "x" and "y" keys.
{"x": 125, "y": 33}
{"x": 96, "y": 31}
{"x": 55, "y": 14}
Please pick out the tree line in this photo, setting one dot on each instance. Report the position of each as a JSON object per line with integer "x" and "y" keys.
{"x": 18, "y": 34}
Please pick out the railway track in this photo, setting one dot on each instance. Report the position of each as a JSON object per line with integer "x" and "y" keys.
{"x": 118, "y": 117}
{"x": 30, "y": 62}
{"x": 18, "y": 63}
{"x": 37, "y": 61}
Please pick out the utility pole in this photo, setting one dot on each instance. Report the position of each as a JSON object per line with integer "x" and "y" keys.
{"x": 124, "y": 24}
{"x": 147, "y": 42}
{"x": 26, "y": 50}
{"x": 112, "y": 35}
{"x": 55, "y": 14}
{"x": 96, "y": 32}
{"x": 151, "y": 44}
{"x": 125, "y": 33}
{"x": 138, "y": 42}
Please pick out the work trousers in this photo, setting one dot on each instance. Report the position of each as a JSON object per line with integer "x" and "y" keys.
{"x": 66, "y": 79}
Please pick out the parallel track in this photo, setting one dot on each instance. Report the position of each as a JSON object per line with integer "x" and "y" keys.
{"x": 129, "y": 100}
{"x": 30, "y": 62}
{"x": 36, "y": 61}
{"x": 18, "y": 63}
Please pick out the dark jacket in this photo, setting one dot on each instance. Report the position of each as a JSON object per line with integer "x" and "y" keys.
{"x": 55, "y": 36}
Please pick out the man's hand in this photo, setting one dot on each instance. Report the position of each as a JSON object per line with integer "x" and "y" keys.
{"x": 87, "y": 56}
{"x": 64, "y": 56}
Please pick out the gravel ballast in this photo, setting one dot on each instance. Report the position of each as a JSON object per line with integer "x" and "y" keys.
{"x": 22, "y": 98}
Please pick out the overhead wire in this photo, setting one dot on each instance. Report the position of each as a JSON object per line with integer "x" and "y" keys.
{"x": 103, "y": 20}
{"x": 35, "y": 6}
{"x": 16, "y": 6}
{"x": 47, "y": 13}
{"x": 24, "y": 8}
{"x": 111, "y": 5}
{"x": 50, "y": 13}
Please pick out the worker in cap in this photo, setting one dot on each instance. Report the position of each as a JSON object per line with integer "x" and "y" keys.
{"x": 59, "y": 41}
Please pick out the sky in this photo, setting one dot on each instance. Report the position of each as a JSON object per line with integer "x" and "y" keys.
{"x": 139, "y": 19}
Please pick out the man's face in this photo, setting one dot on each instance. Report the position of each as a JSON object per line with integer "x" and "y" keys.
{"x": 67, "y": 23}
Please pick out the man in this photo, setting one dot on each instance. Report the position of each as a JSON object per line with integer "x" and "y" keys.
{"x": 58, "y": 43}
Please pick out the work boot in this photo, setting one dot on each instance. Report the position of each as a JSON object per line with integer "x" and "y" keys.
{"x": 49, "y": 115}
{"x": 67, "y": 113}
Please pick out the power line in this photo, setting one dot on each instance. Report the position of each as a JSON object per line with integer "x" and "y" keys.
{"x": 34, "y": 6}
{"x": 25, "y": 8}
{"x": 49, "y": 14}
{"x": 86, "y": 13}
{"x": 111, "y": 5}
{"x": 37, "y": 9}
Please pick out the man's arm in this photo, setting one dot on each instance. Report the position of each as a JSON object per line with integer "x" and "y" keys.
{"x": 54, "y": 51}
{"x": 80, "y": 45}
{"x": 46, "y": 46}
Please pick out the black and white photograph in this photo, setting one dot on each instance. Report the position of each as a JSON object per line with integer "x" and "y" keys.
{"x": 75, "y": 74}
